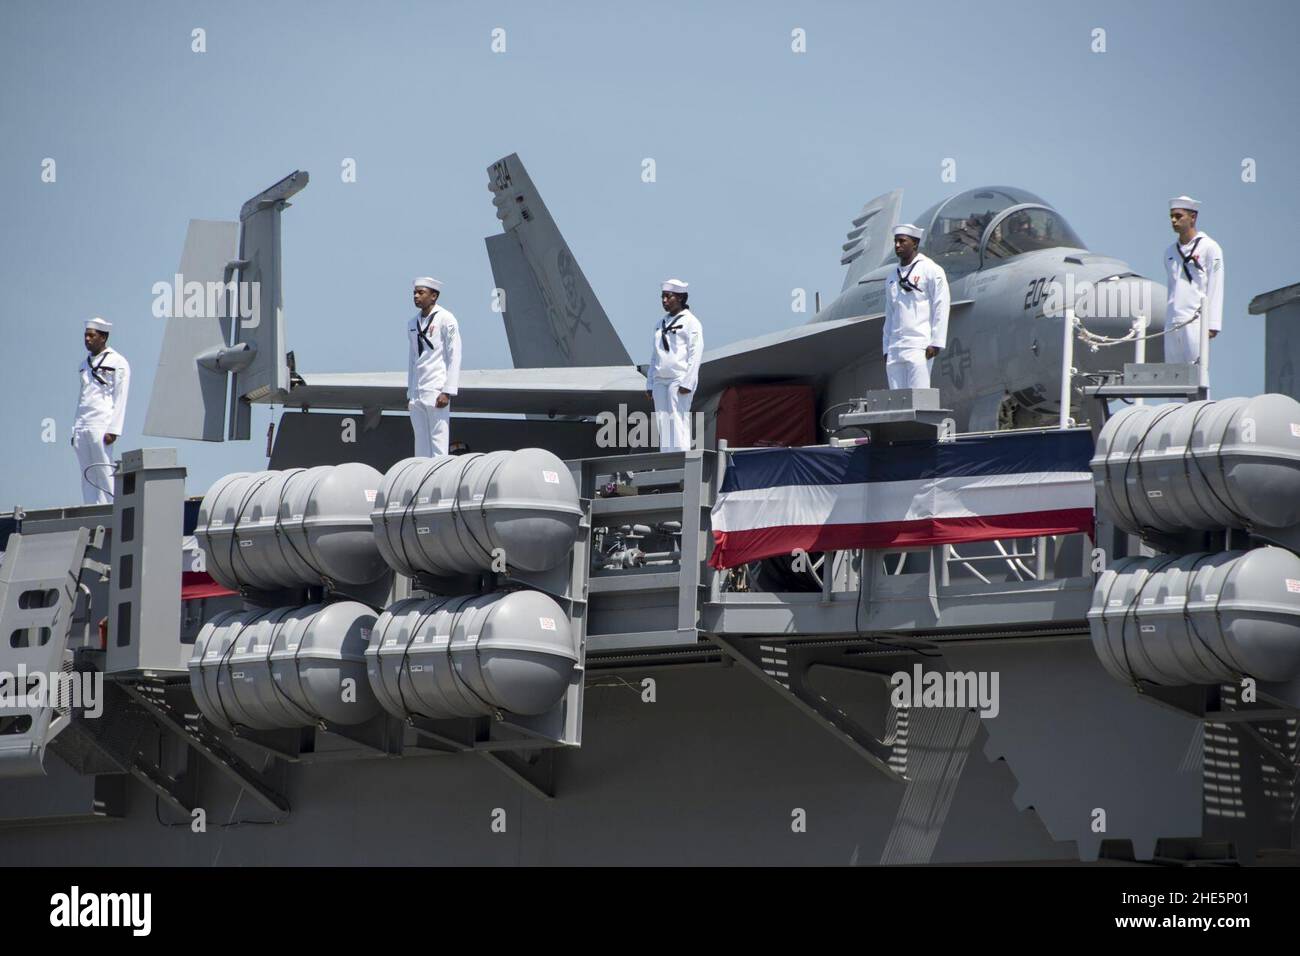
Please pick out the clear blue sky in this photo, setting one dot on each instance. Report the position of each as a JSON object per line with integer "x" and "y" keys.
{"x": 763, "y": 156}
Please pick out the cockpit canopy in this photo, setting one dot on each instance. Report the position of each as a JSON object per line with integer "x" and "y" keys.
{"x": 982, "y": 226}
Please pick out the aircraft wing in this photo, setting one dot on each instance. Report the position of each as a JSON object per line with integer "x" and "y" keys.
{"x": 810, "y": 351}
{"x": 806, "y": 351}
{"x": 554, "y": 391}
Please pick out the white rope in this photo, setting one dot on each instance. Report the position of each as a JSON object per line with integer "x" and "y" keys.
{"x": 1096, "y": 341}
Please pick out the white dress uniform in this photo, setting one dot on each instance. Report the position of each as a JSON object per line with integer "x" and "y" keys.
{"x": 433, "y": 367}
{"x": 916, "y": 317}
{"x": 101, "y": 410}
{"x": 1194, "y": 280}
{"x": 674, "y": 364}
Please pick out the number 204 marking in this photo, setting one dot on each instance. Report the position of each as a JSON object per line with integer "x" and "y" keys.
{"x": 1036, "y": 292}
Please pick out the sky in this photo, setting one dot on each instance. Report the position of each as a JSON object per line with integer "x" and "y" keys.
{"x": 762, "y": 156}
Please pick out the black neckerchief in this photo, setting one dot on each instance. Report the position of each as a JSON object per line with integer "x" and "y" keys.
{"x": 423, "y": 333}
{"x": 905, "y": 281}
{"x": 94, "y": 369}
{"x": 665, "y": 327}
{"x": 1191, "y": 253}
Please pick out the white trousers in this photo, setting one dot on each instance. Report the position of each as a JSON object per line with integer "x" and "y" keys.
{"x": 95, "y": 459}
{"x": 908, "y": 368}
{"x": 431, "y": 426}
{"x": 672, "y": 417}
{"x": 1183, "y": 346}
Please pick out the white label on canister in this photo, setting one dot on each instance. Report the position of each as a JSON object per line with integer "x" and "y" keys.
{"x": 1148, "y": 600}
{"x": 1148, "y": 628}
{"x": 422, "y": 501}
{"x": 551, "y": 477}
{"x": 246, "y": 543}
{"x": 215, "y": 523}
{"x": 419, "y": 639}
{"x": 238, "y": 675}
{"x": 1212, "y": 597}
{"x": 419, "y": 530}
{"x": 293, "y": 645}
{"x": 1175, "y": 600}
{"x": 1155, "y": 494}
{"x": 1292, "y": 586}
{"x": 370, "y": 494}
{"x": 297, "y": 517}
{"x": 1115, "y": 602}
{"x": 548, "y": 623}
{"x": 391, "y": 642}
{"x": 1295, "y": 429}
{"x": 416, "y": 668}
{"x": 478, "y": 497}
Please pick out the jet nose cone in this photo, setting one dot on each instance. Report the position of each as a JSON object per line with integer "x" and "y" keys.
{"x": 1109, "y": 306}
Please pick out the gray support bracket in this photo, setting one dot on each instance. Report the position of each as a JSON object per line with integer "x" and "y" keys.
{"x": 288, "y": 743}
{"x": 38, "y": 591}
{"x": 894, "y": 415}
{"x": 179, "y": 793}
{"x": 115, "y": 742}
{"x": 781, "y": 666}
{"x": 693, "y": 550}
{"x": 453, "y": 736}
{"x": 382, "y": 733}
{"x": 153, "y": 698}
{"x": 1283, "y": 762}
{"x": 1276, "y": 701}
{"x": 534, "y": 770}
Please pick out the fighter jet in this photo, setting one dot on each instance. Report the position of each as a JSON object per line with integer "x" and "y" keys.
{"x": 1013, "y": 263}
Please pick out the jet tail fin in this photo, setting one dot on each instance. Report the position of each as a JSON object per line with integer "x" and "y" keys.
{"x": 869, "y": 242}
{"x": 189, "y": 397}
{"x": 261, "y": 331}
{"x": 224, "y": 346}
{"x": 553, "y": 318}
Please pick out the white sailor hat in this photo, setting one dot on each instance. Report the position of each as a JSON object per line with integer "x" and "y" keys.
{"x": 907, "y": 229}
{"x": 428, "y": 282}
{"x": 674, "y": 285}
{"x": 1185, "y": 202}
{"x": 99, "y": 325}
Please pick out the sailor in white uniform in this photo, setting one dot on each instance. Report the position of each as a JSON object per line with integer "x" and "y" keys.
{"x": 916, "y": 312}
{"x": 1194, "y": 278}
{"x": 433, "y": 370}
{"x": 101, "y": 412}
{"x": 675, "y": 367}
